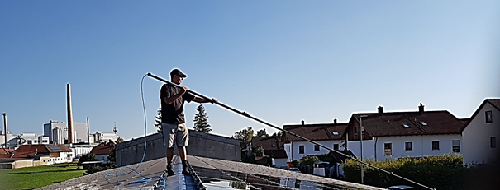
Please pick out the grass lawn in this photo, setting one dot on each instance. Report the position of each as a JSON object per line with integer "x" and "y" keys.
{"x": 39, "y": 176}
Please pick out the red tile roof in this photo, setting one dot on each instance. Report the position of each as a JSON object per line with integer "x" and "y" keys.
{"x": 268, "y": 143}
{"x": 316, "y": 132}
{"x": 105, "y": 148}
{"x": 392, "y": 124}
{"x": 6, "y": 153}
{"x": 30, "y": 150}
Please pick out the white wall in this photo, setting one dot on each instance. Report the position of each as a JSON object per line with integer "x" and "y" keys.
{"x": 83, "y": 150}
{"x": 421, "y": 146}
{"x": 368, "y": 148}
{"x": 282, "y": 162}
{"x": 103, "y": 158}
{"x": 64, "y": 157}
{"x": 293, "y": 153}
{"x": 476, "y": 137}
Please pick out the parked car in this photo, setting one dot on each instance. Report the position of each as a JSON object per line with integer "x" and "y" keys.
{"x": 296, "y": 170}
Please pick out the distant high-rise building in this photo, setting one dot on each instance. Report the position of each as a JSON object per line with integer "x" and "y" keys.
{"x": 58, "y": 132}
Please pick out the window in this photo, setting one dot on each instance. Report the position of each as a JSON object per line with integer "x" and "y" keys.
{"x": 489, "y": 116}
{"x": 336, "y": 147}
{"x": 65, "y": 128}
{"x": 316, "y": 147}
{"x": 301, "y": 149}
{"x": 408, "y": 146}
{"x": 493, "y": 142}
{"x": 455, "y": 145}
{"x": 435, "y": 145}
{"x": 387, "y": 149}
{"x": 29, "y": 142}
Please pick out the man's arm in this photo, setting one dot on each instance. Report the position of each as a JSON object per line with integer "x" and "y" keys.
{"x": 203, "y": 100}
{"x": 171, "y": 99}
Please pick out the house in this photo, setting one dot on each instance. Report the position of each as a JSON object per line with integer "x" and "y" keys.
{"x": 481, "y": 134}
{"x": 103, "y": 150}
{"x": 327, "y": 134}
{"x": 397, "y": 134}
{"x": 48, "y": 154}
{"x": 273, "y": 149}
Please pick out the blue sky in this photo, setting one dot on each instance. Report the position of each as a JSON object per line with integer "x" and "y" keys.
{"x": 282, "y": 61}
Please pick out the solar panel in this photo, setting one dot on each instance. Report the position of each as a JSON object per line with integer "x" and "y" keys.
{"x": 54, "y": 148}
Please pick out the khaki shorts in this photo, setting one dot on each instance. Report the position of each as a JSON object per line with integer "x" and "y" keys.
{"x": 175, "y": 133}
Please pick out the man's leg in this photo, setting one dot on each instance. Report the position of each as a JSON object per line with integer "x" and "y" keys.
{"x": 168, "y": 139}
{"x": 183, "y": 138}
{"x": 182, "y": 154}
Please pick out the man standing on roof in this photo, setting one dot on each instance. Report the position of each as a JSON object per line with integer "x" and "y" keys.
{"x": 172, "y": 116}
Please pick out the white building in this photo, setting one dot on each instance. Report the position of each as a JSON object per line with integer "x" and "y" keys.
{"x": 326, "y": 134}
{"x": 79, "y": 150}
{"x": 2, "y": 139}
{"x": 481, "y": 134}
{"x": 58, "y": 132}
{"x": 104, "y": 137}
{"x": 27, "y": 139}
{"x": 399, "y": 134}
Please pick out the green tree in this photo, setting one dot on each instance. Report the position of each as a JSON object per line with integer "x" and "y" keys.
{"x": 262, "y": 133}
{"x": 158, "y": 121}
{"x": 259, "y": 151}
{"x": 87, "y": 157}
{"x": 308, "y": 160}
{"x": 119, "y": 140}
{"x": 201, "y": 120}
{"x": 244, "y": 135}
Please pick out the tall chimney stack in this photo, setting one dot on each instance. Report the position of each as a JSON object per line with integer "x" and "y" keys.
{"x": 70, "y": 115}
{"x": 380, "y": 110}
{"x": 5, "y": 128}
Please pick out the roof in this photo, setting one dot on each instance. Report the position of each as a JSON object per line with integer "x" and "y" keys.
{"x": 25, "y": 151}
{"x": 410, "y": 123}
{"x": 494, "y": 102}
{"x": 105, "y": 148}
{"x": 268, "y": 143}
{"x": 316, "y": 132}
{"x": 276, "y": 153}
{"x": 30, "y": 150}
{"x": 6, "y": 153}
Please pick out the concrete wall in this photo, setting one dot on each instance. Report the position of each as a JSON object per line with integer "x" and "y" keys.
{"x": 200, "y": 144}
{"x": 476, "y": 137}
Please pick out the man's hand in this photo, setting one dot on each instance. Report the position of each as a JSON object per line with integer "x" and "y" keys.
{"x": 184, "y": 89}
{"x": 214, "y": 101}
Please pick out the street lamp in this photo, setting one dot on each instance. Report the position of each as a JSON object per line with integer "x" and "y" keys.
{"x": 361, "y": 144}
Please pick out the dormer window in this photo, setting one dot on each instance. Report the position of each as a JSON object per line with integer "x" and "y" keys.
{"x": 489, "y": 116}
{"x": 335, "y": 133}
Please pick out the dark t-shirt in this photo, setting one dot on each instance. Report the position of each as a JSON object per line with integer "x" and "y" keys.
{"x": 174, "y": 112}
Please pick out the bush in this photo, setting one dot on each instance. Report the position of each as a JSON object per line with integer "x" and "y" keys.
{"x": 308, "y": 160}
{"x": 441, "y": 172}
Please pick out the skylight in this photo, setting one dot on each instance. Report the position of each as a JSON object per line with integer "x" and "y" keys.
{"x": 335, "y": 133}
{"x": 424, "y": 123}
{"x": 405, "y": 126}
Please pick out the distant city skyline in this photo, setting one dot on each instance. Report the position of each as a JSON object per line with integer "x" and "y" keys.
{"x": 281, "y": 61}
